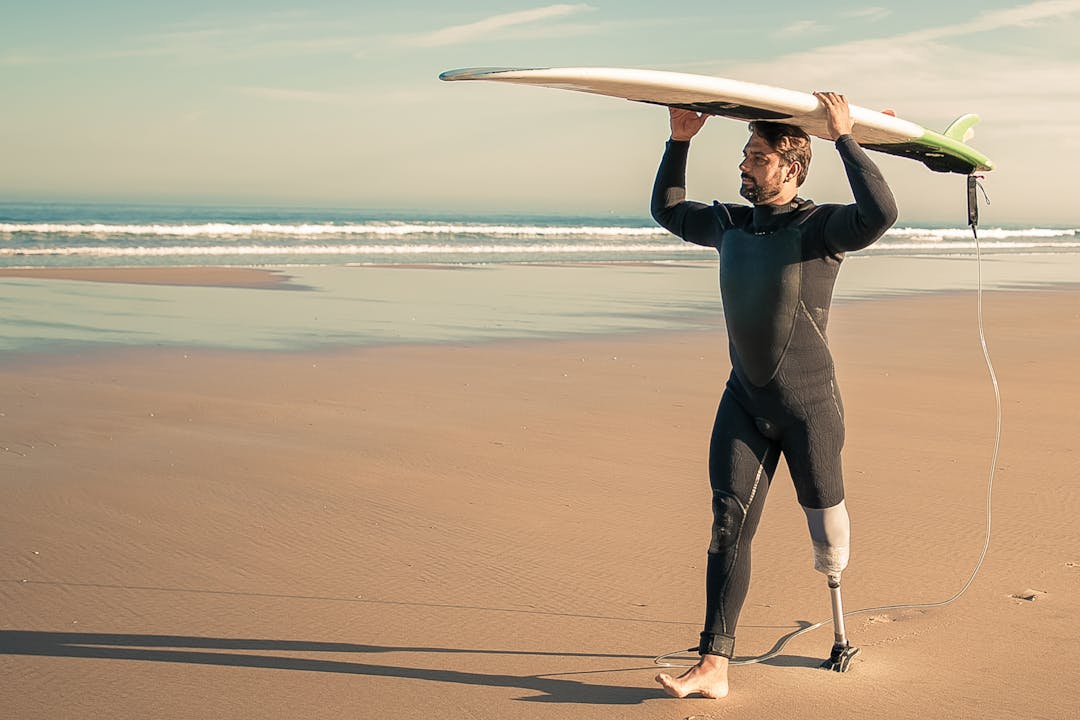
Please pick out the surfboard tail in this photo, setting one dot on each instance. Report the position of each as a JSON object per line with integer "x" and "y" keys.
{"x": 943, "y": 152}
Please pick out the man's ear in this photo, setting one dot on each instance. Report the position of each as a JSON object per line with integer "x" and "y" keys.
{"x": 792, "y": 171}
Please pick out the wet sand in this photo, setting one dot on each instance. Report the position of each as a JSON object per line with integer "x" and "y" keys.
{"x": 204, "y": 276}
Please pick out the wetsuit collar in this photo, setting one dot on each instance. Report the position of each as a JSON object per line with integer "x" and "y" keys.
{"x": 770, "y": 217}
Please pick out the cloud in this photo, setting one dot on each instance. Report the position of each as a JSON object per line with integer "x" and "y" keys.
{"x": 25, "y": 59}
{"x": 481, "y": 29}
{"x": 1015, "y": 17}
{"x": 293, "y": 95}
{"x": 926, "y": 75}
{"x": 401, "y": 98}
{"x": 871, "y": 14}
{"x": 798, "y": 28}
{"x": 19, "y": 58}
{"x": 277, "y": 35}
{"x": 212, "y": 44}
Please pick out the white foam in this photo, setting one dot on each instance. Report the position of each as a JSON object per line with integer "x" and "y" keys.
{"x": 984, "y": 233}
{"x": 222, "y": 230}
{"x": 386, "y": 239}
{"x": 223, "y": 250}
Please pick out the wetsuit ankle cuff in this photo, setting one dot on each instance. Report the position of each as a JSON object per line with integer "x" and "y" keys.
{"x": 717, "y": 644}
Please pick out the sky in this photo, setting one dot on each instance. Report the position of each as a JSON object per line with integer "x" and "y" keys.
{"x": 335, "y": 103}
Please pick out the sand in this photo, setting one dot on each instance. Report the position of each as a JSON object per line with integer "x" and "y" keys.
{"x": 205, "y": 276}
{"x": 514, "y": 530}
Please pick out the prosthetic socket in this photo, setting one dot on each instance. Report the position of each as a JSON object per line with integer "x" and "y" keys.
{"x": 830, "y": 533}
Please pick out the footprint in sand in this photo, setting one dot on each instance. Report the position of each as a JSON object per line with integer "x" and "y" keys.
{"x": 1029, "y": 595}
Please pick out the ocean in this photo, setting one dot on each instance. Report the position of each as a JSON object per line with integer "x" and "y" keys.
{"x": 54, "y": 235}
{"x": 374, "y": 278}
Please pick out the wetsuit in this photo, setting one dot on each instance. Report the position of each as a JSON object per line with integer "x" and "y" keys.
{"x": 777, "y": 270}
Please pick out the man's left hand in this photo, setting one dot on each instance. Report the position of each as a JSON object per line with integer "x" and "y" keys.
{"x": 837, "y": 113}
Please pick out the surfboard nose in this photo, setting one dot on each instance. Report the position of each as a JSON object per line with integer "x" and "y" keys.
{"x": 474, "y": 73}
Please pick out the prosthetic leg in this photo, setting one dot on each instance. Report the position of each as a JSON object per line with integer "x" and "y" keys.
{"x": 830, "y": 531}
{"x": 842, "y": 651}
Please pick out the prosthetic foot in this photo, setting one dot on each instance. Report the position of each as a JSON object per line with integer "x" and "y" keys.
{"x": 842, "y": 651}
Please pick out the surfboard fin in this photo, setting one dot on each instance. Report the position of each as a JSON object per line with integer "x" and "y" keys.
{"x": 961, "y": 129}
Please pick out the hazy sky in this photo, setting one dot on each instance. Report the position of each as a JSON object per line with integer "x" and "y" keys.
{"x": 337, "y": 103}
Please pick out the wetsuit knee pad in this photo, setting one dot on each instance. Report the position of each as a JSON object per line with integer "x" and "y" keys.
{"x": 830, "y": 533}
{"x": 729, "y": 515}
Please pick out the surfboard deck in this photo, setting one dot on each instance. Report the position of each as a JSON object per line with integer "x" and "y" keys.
{"x": 942, "y": 152}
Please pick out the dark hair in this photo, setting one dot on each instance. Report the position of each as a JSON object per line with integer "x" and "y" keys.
{"x": 790, "y": 142}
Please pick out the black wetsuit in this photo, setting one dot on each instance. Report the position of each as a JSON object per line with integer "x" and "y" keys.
{"x": 777, "y": 270}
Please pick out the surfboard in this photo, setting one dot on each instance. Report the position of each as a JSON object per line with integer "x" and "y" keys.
{"x": 947, "y": 151}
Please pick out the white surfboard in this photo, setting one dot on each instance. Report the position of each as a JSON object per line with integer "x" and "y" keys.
{"x": 942, "y": 152}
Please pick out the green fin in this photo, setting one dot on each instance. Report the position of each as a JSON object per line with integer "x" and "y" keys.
{"x": 961, "y": 128}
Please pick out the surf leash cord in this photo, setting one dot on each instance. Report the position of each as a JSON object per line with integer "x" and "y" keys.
{"x": 973, "y": 189}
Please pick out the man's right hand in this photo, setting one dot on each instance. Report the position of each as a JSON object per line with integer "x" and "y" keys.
{"x": 685, "y": 123}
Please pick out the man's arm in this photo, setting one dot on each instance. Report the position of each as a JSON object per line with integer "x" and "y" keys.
{"x": 854, "y": 227}
{"x": 692, "y": 221}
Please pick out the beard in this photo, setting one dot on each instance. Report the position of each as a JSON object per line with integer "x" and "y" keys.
{"x": 758, "y": 194}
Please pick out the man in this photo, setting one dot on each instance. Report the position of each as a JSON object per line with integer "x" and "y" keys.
{"x": 778, "y": 263}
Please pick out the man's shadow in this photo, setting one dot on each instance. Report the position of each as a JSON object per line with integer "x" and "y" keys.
{"x": 550, "y": 687}
{"x": 555, "y": 688}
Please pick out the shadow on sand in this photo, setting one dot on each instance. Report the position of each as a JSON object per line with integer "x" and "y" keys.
{"x": 228, "y": 652}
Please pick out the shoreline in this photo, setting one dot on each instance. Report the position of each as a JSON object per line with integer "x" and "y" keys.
{"x": 188, "y": 276}
{"x": 334, "y": 307}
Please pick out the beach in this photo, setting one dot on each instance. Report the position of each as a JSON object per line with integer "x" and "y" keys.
{"x": 333, "y": 390}
{"x": 475, "y": 526}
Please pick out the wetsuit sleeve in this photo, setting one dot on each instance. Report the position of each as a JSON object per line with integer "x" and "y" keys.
{"x": 692, "y": 221}
{"x": 854, "y": 227}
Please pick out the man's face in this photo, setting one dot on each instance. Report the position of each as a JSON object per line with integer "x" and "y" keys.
{"x": 761, "y": 170}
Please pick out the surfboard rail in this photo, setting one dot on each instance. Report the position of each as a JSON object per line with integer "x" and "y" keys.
{"x": 725, "y": 97}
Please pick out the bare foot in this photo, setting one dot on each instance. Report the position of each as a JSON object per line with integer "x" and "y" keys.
{"x": 707, "y": 678}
